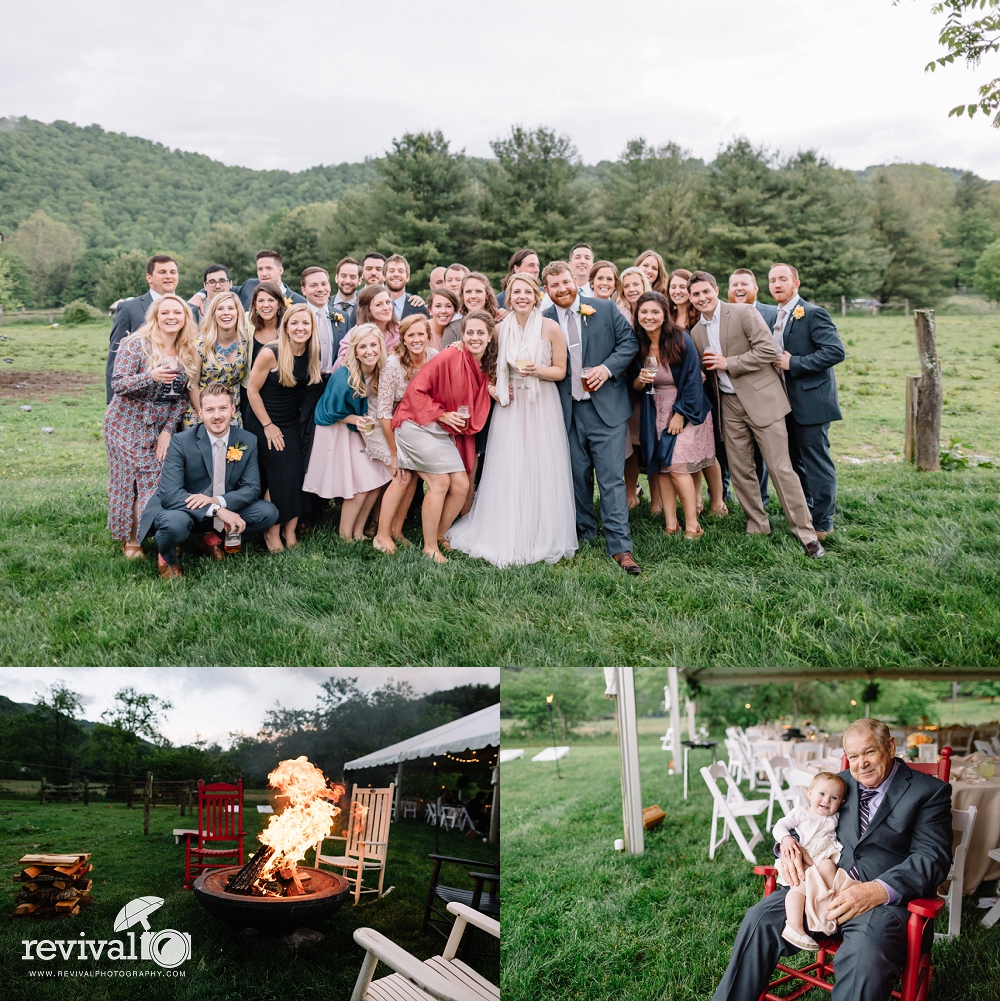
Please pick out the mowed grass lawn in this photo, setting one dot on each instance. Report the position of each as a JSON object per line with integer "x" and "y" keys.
{"x": 585, "y": 923}
{"x": 224, "y": 965}
{"x": 911, "y": 575}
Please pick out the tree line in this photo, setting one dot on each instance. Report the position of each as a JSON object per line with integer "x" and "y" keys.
{"x": 51, "y": 739}
{"x": 81, "y": 210}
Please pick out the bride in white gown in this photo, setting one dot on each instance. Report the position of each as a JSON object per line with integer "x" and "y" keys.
{"x": 524, "y": 510}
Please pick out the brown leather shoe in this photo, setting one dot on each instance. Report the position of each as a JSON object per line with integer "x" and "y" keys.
{"x": 627, "y": 562}
{"x": 814, "y": 550}
{"x": 211, "y": 546}
{"x": 824, "y": 535}
{"x": 169, "y": 571}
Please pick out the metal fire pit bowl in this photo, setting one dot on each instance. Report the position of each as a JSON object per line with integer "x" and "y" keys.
{"x": 272, "y": 914}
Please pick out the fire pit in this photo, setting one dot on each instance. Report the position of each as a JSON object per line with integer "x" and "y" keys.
{"x": 326, "y": 891}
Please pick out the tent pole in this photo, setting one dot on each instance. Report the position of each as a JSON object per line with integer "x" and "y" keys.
{"x": 628, "y": 746}
{"x": 495, "y": 810}
{"x": 397, "y": 816}
{"x": 675, "y": 719}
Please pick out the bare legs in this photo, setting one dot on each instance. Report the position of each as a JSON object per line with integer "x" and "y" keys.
{"x": 672, "y": 486}
{"x": 446, "y": 493}
{"x": 272, "y": 537}
{"x": 795, "y": 899}
{"x": 395, "y": 503}
{"x": 354, "y": 513}
{"x": 632, "y": 486}
{"x": 714, "y": 476}
{"x": 467, "y": 505}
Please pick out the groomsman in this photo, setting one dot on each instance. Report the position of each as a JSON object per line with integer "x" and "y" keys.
{"x": 215, "y": 280}
{"x": 348, "y": 279}
{"x": 269, "y": 269}
{"x": 162, "y": 276}
{"x": 210, "y": 484}
{"x": 581, "y": 260}
{"x": 736, "y": 346}
{"x": 330, "y": 324}
{"x": 523, "y": 261}
{"x": 436, "y": 279}
{"x": 397, "y": 274}
{"x": 373, "y": 268}
{"x": 808, "y": 347}
{"x": 596, "y": 407}
{"x": 453, "y": 279}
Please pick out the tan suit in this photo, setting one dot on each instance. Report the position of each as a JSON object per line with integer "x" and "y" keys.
{"x": 756, "y": 411}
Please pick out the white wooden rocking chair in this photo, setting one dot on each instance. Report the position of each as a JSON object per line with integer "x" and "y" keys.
{"x": 367, "y": 839}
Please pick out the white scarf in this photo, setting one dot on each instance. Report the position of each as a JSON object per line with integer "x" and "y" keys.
{"x": 517, "y": 342}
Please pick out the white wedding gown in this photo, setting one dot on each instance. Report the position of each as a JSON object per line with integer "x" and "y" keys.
{"x": 524, "y": 510}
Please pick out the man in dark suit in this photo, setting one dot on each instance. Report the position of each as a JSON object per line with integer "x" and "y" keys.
{"x": 345, "y": 300}
{"x": 809, "y": 346}
{"x": 895, "y": 829}
{"x": 596, "y": 406}
{"x": 162, "y": 276}
{"x": 215, "y": 280}
{"x": 331, "y": 324}
{"x": 269, "y": 269}
{"x": 397, "y": 274}
{"x": 210, "y": 483}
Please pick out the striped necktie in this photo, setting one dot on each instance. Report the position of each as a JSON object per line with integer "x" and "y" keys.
{"x": 865, "y": 797}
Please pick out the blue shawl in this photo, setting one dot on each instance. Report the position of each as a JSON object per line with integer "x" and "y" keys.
{"x": 691, "y": 403}
{"x": 339, "y": 400}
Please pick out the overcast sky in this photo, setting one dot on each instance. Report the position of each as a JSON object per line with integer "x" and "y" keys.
{"x": 211, "y": 702}
{"x": 302, "y": 82}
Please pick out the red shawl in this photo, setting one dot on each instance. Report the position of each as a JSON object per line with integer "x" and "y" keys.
{"x": 451, "y": 379}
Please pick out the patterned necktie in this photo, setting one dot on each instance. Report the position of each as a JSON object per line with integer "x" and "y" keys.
{"x": 218, "y": 477}
{"x": 865, "y": 796}
{"x": 575, "y": 355}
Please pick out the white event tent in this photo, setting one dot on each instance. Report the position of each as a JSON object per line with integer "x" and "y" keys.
{"x": 471, "y": 740}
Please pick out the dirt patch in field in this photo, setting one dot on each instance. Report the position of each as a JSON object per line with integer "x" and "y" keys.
{"x": 41, "y": 387}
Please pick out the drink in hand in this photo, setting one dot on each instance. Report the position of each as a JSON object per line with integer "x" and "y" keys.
{"x": 233, "y": 541}
{"x": 464, "y": 413}
{"x": 651, "y": 366}
{"x": 367, "y": 424}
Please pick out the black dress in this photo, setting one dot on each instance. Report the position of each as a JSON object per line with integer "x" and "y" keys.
{"x": 286, "y": 406}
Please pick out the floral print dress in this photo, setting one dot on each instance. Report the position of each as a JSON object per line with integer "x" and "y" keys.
{"x": 231, "y": 369}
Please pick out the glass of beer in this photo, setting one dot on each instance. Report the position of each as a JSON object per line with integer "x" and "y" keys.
{"x": 233, "y": 541}
{"x": 464, "y": 413}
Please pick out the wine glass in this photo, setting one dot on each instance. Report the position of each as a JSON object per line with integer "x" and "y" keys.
{"x": 367, "y": 424}
{"x": 651, "y": 366}
{"x": 522, "y": 364}
{"x": 175, "y": 365}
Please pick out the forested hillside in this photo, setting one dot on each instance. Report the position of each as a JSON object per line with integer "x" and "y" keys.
{"x": 81, "y": 208}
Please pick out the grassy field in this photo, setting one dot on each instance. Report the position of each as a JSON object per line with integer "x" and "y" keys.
{"x": 911, "y": 575}
{"x": 588, "y": 924}
{"x": 224, "y": 965}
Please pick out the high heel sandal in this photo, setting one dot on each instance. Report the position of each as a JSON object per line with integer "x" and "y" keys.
{"x": 691, "y": 536}
{"x": 382, "y": 549}
{"x": 132, "y": 551}
{"x": 672, "y": 531}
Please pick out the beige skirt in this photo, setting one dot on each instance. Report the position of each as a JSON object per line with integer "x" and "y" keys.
{"x": 427, "y": 448}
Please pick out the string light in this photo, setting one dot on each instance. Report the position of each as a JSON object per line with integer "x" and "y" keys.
{"x": 463, "y": 761}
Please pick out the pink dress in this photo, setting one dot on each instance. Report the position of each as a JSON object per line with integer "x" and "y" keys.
{"x": 695, "y": 445}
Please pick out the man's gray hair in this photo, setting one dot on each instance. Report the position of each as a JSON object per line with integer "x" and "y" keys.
{"x": 867, "y": 727}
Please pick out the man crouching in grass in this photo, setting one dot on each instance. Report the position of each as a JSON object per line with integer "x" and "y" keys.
{"x": 210, "y": 484}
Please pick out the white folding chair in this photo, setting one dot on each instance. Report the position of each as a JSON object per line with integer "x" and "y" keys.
{"x": 449, "y": 817}
{"x": 730, "y": 807}
{"x": 775, "y": 769}
{"x": 808, "y": 750}
{"x": 734, "y": 759}
{"x": 995, "y": 743}
{"x": 667, "y": 740}
{"x": 410, "y": 808}
{"x": 993, "y": 914}
{"x": 964, "y": 821}
{"x": 758, "y": 750}
{"x": 798, "y": 786}
{"x": 959, "y": 740}
{"x": 431, "y": 814}
{"x": 984, "y": 747}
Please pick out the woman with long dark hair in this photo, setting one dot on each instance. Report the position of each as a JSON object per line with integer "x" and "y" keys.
{"x": 436, "y": 422}
{"x": 476, "y": 293}
{"x": 374, "y": 306}
{"x": 675, "y": 421}
{"x": 442, "y": 304}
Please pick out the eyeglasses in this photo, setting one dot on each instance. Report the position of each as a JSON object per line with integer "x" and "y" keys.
{"x": 218, "y": 281}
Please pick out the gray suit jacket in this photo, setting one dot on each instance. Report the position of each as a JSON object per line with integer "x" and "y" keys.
{"x": 607, "y": 339}
{"x": 187, "y": 469}
{"x": 129, "y": 317}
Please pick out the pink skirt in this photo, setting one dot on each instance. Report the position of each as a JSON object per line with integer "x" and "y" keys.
{"x": 339, "y": 465}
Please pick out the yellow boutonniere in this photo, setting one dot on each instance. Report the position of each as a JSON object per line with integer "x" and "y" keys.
{"x": 798, "y": 313}
{"x": 586, "y": 311}
{"x": 235, "y": 452}
{"x": 288, "y": 300}
{"x": 337, "y": 318}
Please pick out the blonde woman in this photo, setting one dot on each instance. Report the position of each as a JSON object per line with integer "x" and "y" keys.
{"x": 655, "y": 269}
{"x": 632, "y": 282}
{"x": 411, "y": 354}
{"x": 284, "y": 384}
{"x": 153, "y": 369}
{"x": 345, "y": 417}
{"x": 223, "y": 346}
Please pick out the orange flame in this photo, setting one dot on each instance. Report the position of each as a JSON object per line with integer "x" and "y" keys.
{"x": 305, "y": 820}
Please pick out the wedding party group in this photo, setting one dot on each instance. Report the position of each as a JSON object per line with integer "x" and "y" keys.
{"x": 249, "y": 408}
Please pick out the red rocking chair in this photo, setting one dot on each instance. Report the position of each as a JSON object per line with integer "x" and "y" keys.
{"x": 917, "y": 969}
{"x": 220, "y": 818}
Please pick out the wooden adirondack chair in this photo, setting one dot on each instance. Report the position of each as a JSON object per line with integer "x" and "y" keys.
{"x": 220, "y": 818}
{"x": 366, "y": 841}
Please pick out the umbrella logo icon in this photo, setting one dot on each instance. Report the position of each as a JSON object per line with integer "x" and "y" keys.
{"x": 167, "y": 948}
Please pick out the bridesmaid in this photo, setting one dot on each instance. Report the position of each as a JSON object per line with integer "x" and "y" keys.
{"x": 374, "y": 306}
{"x": 436, "y": 422}
{"x": 632, "y": 283}
{"x": 153, "y": 370}
{"x": 284, "y": 383}
{"x": 676, "y": 422}
{"x": 410, "y": 356}
{"x": 267, "y": 307}
{"x": 477, "y": 293}
{"x": 443, "y": 307}
{"x": 685, "y": 316}
{"x": 340, "y": 465}
{"x": 224, "y": 352}
{"x": 604, "y": 280}
{"x": 654, "y": 269}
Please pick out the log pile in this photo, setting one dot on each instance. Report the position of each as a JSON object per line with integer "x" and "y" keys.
{"x": 53, "y": 885}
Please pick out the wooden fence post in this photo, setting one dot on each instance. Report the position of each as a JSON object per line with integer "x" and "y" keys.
{"x": 910, "y": 423}
{"x": 843, "y": 305}
{"x": 128, "y": 792}
{"x": 189, "y": 799}
{"x": 906, "y": 307}
{"x": 41, "y": 794}
{"x": 86, "y": 791}
{"x": 147, "y": 795}
{"x": 927, "y": 430}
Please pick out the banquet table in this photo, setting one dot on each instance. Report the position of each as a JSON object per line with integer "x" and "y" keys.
{"x": 985, "y": 796}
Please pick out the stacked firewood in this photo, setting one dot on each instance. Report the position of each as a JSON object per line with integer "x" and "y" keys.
{"x": 53, "y": 884}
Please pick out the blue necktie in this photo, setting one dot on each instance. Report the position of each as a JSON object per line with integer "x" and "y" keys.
{"x": 865, "y": 797}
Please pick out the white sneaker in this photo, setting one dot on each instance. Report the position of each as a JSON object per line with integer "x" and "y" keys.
{"x": 799, "y": 939}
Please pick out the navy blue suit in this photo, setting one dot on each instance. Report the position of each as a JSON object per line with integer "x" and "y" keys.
{"x": 598, "y": 427}
{"x": 409, "y": 309}
{"x": 815, "y": 346}
{"x": 245, "y": 292}
{"x": 187, "y": 469}
{"x": 129, "y": 317}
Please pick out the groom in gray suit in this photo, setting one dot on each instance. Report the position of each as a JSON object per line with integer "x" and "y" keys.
{"x": 895, "y": 829}
{"x": 596, "y": 408}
